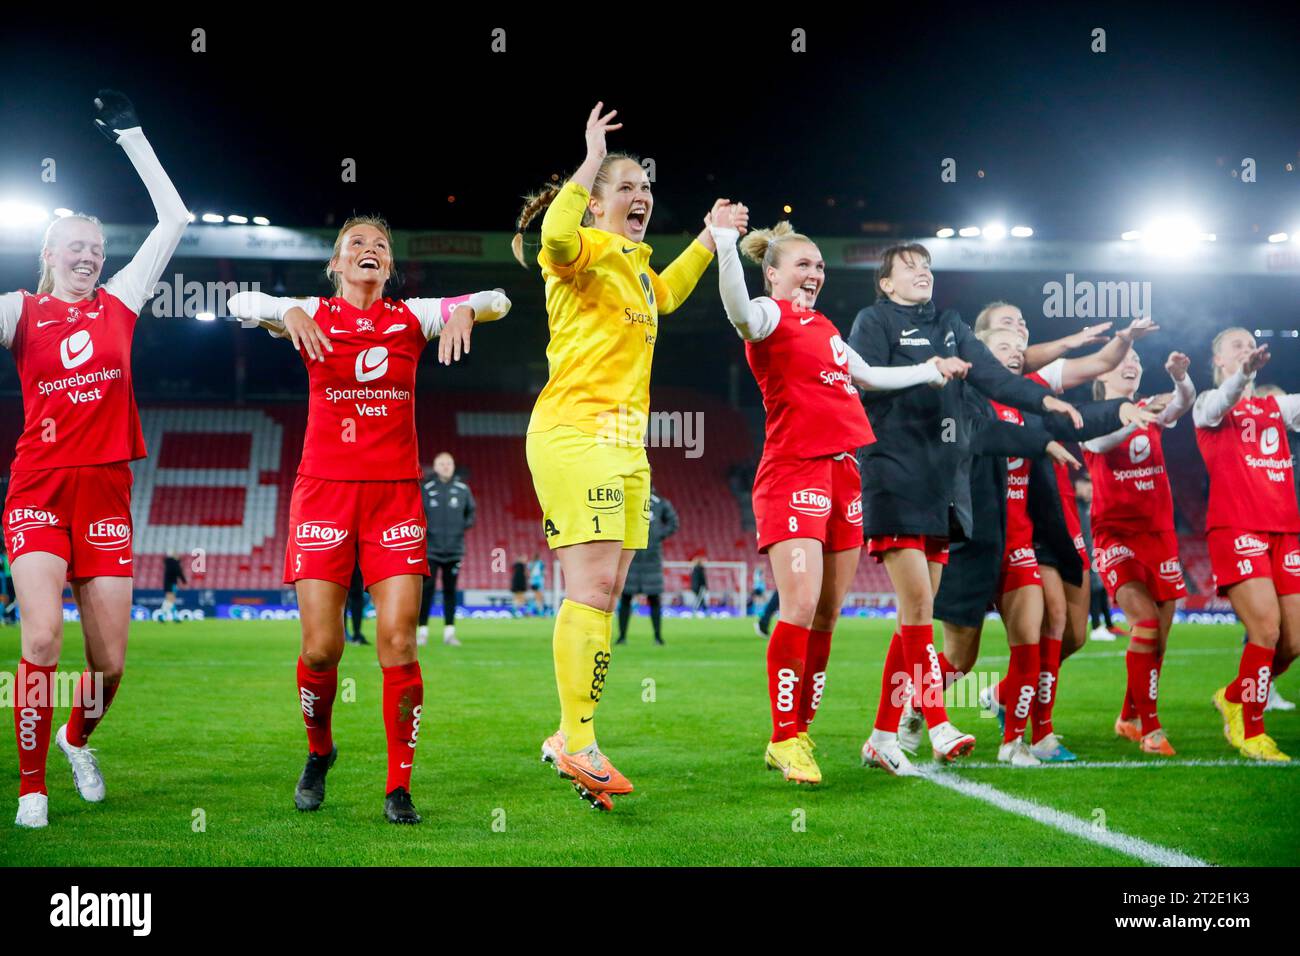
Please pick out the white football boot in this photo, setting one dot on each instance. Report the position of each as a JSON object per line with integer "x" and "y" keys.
{"x": 949, "y": 743}
{"x": 85, "y": 770}
{"x": 1017, "y": 754}
{"x": 882, "y": 750}
{"x": 33, "y": 811}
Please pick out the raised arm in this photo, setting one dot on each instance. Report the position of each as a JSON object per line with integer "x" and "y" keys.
{"x": 1212, "y": 405}
{"x": 676, "y": 282}
{"x": 753, "y": 319}
{"x": 134, "y": 284}
{"x": 1042, "y": 354}
{"x": 1076, "y": 371}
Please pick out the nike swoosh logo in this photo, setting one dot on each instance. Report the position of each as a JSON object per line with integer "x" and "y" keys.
{"x": 41, "y": 325}
{"x": 125, "y": 560}
{"x": 585, "y": 720}
{"x": 910, "y": 331}
{"x": 633, "y": 249}
{"x": 27, "y": 773}
{"x": 407, "y": 766}
{"x": 414, "y": 560}
{"x": 785, "y": 723}
{"x": 596, "y": 777}
{"x": 334, "y": 331}
{"x": 807, "y": 320}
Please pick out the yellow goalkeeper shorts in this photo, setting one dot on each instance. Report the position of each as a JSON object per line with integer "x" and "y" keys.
{"x": 590, "y": 488}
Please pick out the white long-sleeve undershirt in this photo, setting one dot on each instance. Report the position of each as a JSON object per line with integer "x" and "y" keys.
{"x": 258, "y": 308}
{"x": 1184, "y": 395}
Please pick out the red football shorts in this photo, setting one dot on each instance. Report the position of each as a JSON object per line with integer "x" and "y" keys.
{"x": 82, "y": 515}
{"x": 809, "y": 498}
{"x": 1019, "y": 568}
{"x": 935, "y": 548}
{"x": 1236, "y": 555}
{"x": 1147, "y": 557}
{"x": 334, "y": 525}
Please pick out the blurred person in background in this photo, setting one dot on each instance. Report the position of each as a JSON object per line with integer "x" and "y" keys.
{"x": 449, "y": 512}
{"x": 356, "y": 607}
{"x": 172, "y": 574}
{"x": 518, "y": 584}
{"x": 537, "y": 583}
{"x": 645, "y": 575}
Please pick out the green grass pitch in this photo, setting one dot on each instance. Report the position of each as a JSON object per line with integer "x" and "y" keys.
{"x": 206, "y": 730}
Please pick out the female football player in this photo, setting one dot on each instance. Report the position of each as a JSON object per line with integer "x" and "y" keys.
{"x": 1019, "y": 592}
{"x": 1134, "y": 539}
{"x": 585, "y": 438}
{"x": 357, "y": 499}
{"x": 68, "y": 514}
{"x": 1251, "y": 526}
{"x": 1058, "y": 539}
{"x": 913, "y": 496}
{"x": 807, "y": 491}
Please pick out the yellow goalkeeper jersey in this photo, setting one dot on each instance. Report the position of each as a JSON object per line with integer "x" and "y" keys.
{"x": 603, "y": 312}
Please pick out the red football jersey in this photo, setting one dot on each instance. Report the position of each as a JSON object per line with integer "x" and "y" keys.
{"x": 812, "y": 405}
{"x": 1248, "y": 457}
{"x": 74, "y": 362}
{"x": 1020, "y": 530}
{"x": 361, "y": 412}
{"x": 1130, "y": 487}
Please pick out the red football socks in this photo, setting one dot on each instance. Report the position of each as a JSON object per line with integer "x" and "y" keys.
{"x": 1143, "y": 674}
{"x": 1022, "y": 676}
{"x": 923, "y": 661}
{"x": 89, "y": 709}
{"x": 786, "y": 650}
{"x": 893, "y": 688}
{"x": 1251, "y": 686}
{"x": 33, "y": 712}
{"x": 814, "y": 682}
{"x": 1049, "y": 672}
{"x": 403, "y": 705}
{"x": 316, "y": 690}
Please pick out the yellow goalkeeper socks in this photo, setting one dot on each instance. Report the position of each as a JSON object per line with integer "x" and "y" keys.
{"x": 581, "y": 651}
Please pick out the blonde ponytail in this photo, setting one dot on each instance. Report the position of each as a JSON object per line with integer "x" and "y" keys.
{"x": 764, "y": 247}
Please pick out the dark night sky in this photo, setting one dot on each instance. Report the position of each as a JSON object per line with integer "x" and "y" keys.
{"x": 1074, "y": 143}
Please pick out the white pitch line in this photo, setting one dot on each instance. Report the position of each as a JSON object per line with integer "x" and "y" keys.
{"x": 1134, "y": 764}
{"x": 1122, "y": 843}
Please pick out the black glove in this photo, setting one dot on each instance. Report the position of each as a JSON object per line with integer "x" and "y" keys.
{"x": 114, "y": 114}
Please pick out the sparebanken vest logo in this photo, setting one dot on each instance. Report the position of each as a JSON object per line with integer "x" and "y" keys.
{"x": 1139, "y": 449}
{"x": 839, "y": 351}
{"x": 372, "y": 363}
{"x": 1270, "y": 441}
{"x": 76, "y": 349}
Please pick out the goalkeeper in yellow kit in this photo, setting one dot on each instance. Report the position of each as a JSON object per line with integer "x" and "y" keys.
{"x": 586, "y": 437}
